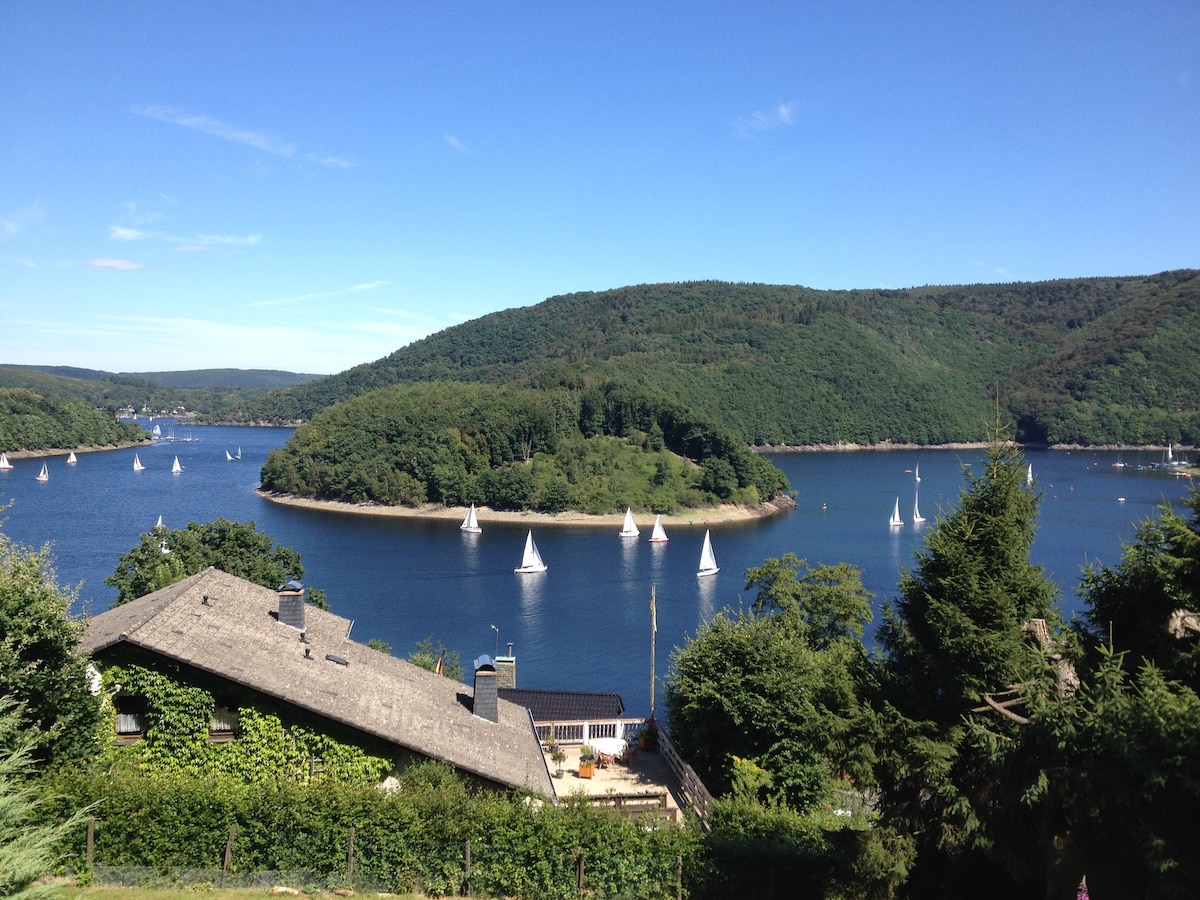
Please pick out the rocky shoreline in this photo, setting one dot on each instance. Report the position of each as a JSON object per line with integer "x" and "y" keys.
{"x": 725, "y": 514}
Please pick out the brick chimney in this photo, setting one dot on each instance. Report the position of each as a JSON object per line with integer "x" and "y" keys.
{"x": 486, "y": 693}
{"x": 291, "y": 605}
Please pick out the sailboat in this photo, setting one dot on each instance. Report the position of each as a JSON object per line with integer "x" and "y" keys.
{"x": 238, "y": 455}
{"x": 917, "y": 517}
{"x": 137, "y": 464}
{"x": 71, "y": 460}
{"x": 159, "y": 523}
{"x": 708, "y": 562}
{"x": 471, "y": 522}
{"x": 228, "y": 456}
{"x": 531, "y": 562}
{"x": 1029, "y": 474}
{"x": 658, "y": 535}
{"x": 895, "y": 521}
{"x": 157, "y": 432}
{"x": 43, "y": 475}
{"x": 176, "y": 468}
{"x": 629, "y": 529}
{"x": 4, "y": 463}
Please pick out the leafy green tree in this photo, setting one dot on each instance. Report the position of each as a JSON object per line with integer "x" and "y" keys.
{"x": 163, "y": 557}
{"x": 29, "y": 850}
{"x": 779, "y": 686}
{"x": 428, "y": 656}
{"x": 39, "y": 667}
{"x": 1130, "y": 606}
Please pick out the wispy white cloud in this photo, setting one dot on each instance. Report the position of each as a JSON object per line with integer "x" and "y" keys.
{"x": 992, "y": 269}
{"x": 455, "y": 143}
{"x": 13, "y": 223}
{"x": 322, "y": 295}
{"x": 200, "y": 242}
{"x": 229, "y": 240}
{"x": 766, "y": 119}
{"x": 105, "y": 262}
{"x": 259, "y": 140}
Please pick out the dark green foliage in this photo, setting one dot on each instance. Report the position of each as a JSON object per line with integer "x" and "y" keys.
{"x": 1088, "y": 361}
{"x": 164, "y": 556}
{"x": 1130, "y": 605}
{"x": 955, "y": 635}
{"x": 39, "y": 668}
{"x": 411, "y": 839}
{"x": 32, "y": 422}
{"x": 517, "y": 448}
{"x": 955, "y": 630}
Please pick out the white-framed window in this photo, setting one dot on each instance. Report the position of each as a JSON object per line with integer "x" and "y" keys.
{"x": 131, "y": 717}
{"x": 223, "y": 724}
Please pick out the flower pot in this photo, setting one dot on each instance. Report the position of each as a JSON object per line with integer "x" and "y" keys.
{"x": 586, "y": 769}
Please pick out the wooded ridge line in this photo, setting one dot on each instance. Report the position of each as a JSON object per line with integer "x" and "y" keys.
{"x": 1075, "y": 362}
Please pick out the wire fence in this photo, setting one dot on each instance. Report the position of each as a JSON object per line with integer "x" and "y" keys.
{"x": 472, "y": 868}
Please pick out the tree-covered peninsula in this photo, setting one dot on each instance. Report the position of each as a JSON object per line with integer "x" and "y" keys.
{"x": 598, "y": 448}
{"x": 32, "y": 422}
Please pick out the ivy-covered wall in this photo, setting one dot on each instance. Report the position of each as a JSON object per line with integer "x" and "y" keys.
{"x": 268, "y": 743}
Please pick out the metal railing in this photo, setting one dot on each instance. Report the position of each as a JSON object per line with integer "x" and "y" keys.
{"x": 692, "y": 792}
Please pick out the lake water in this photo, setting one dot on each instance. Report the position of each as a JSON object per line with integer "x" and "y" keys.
{"x": 585, "y": 623}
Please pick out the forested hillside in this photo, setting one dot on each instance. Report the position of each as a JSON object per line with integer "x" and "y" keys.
{"x": 1087, "y": 361}
{"x": 29, "y": 421}
{"x": 208, "y": 392}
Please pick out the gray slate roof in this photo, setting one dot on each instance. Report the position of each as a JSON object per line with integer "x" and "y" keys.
{"x": 236, "y": 636}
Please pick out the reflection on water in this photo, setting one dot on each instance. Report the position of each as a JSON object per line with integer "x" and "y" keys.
{"x": 706, "y": 596}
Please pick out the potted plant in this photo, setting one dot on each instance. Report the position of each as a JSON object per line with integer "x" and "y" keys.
{"x": 559, "y": 756}
{"x": 646, "y": 738}
{"x": 587, "y": 761}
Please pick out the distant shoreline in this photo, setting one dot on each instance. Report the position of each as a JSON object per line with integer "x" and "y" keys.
{"x": 60, "y": 451}
{"x": 719, "y": 515}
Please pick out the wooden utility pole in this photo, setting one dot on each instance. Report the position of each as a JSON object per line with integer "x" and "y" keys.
{"x": 653, "y": 634}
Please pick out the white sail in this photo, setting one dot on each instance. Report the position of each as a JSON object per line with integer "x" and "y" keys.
{"x": 4, "y": 463}
{"x": 895, "y": 521}
{"x": 238, "y": 455}
{"x": 532, "y": 560}
{"x": 176, "y": 468}
{"x": 137, "y": 464}
{"x": 658, "y": 535}
{"x": 159, "y": 523}
{"x": 71, "y": 460}
{"x": 708, "y": 562}
{"x": 1029, "y": 474}
{"x": 917, "y": 472}
{"x": 157, "y": 432}
{"x": 471, "y": 522}
{"x": 629, "y": 529}
{"x": 43, "y": 475}
{"x": 228, "y": 456}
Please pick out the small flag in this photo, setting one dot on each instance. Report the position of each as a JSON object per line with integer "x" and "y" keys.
{"x": 439, "y": 666}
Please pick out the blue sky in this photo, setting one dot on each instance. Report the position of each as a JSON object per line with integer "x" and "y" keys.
{"x": 307, "y": 186}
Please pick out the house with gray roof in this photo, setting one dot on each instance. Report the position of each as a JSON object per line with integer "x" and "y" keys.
{"x": 248, "y": 641}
